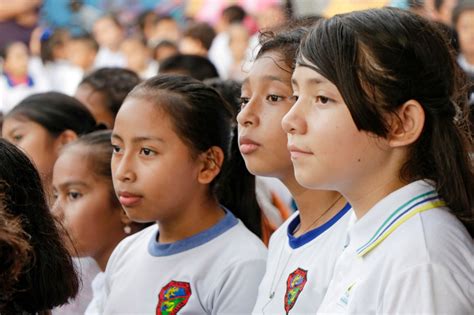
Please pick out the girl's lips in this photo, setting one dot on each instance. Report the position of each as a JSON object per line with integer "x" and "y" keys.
{"x": 129, "y": 200}
{"x": 247, "y": 145}
{"x": 297, "y": 152}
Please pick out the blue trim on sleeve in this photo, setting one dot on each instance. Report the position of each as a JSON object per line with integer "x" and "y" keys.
{"x": 157, "y": 249}
{"x": 307, "y": 237}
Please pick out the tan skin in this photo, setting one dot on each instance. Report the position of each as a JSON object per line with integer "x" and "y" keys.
{"x": 84, "y": 205}
{"x": 95, "y": 103}
{"x": 363, "y": 167}
{"x": 148, "y": 157}
{"x": 40, "y": 146}
{"x": 266, "y": 97}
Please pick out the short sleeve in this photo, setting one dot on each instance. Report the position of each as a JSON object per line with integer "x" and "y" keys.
{"x": 237, "y": 289}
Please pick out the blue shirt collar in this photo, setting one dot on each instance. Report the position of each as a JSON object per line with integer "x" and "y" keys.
{"x": 296, "y": 242}
{"x": 158, "y": 249}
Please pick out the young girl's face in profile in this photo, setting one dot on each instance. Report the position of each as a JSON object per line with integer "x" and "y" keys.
{"x": 84, "y": 204}
{"x": 327, "y": 149}
{"x": 40, "y": 146}
{"x": 266, "y": 97}
{"x": 154, "y": 173}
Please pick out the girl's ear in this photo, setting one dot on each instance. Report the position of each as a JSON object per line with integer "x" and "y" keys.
{"x": 406, "y": 126}
{"x": 211, "y": 163}
{"x": 65, "y": 137}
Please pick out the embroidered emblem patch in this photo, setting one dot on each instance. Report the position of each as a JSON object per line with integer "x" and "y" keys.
{"x": 294, "y": 286}
{"x": 173, "y": 297}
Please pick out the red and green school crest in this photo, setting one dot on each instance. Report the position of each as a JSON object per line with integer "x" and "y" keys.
{"x": 173, "y": 297}
{"x": 294, "y": 286}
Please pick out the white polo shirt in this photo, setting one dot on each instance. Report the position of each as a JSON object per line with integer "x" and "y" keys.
{"x": 407, "y": 255}
{"x": 216, "y": 271}
{"x": 299, "y": 269}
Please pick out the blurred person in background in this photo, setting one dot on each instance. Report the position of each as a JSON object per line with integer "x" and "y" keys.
{"x": 18, "y": 19}
{"x": 197, "y": 39}
{"x": 109, "y": 33}
{"x": 62, "y": 75}
{"x": 138, "y": 57}
{"x": 82, "y": 51}
{"x": 238, "y": 44}
{"x": 220, "y": 51}
{"x": 163, "y": 50}
{"x": 16, "y": 80}
{"x": 166, "y": 28}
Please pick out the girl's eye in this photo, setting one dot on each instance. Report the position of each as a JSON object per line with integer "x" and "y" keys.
{"x": 274, "y": 98}
{"x": 115, "y": 149}
{"x": 244, "y": 101}
{"x": 146, "y": 152}
{"x": 17, "y": 138}
{"x": 322, "y": 99}
{"x": 73, "y": 195}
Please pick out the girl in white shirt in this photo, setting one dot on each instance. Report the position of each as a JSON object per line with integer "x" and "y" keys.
{"x": 379, "y": 118}
{"x": 303, "y": 251}
{"x": 171, "y": 140}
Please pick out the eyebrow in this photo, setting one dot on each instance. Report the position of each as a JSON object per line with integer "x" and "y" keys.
{"x": 139, "y": 139}
{"x": 266, "y": 78}
{"x": 72, "y": 183}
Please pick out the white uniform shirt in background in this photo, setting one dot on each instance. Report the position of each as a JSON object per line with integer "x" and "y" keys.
{"x": 214, "y": 272}
{"x": 299, "y": 269}
{"x": 407, "y": 255}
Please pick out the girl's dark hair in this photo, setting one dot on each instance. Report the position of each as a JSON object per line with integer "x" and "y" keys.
{"x": 49, "y": 278}
{"x": 241, "y": 193}
{"x": 114, "y": 84}
{"x": 97, "y": 149}
{"x": 56, "y": 112}
{"x": 285, "y": 41}
{"x": 202, "y": 119}
{"x": 381, "y": 58}
{"x": 198, "y": 67}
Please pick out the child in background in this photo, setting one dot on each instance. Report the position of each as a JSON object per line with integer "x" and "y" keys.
{"x": 197, "y": 39}
{"x": 219, "y": 52}
{"x": 36, "y": 270}
{"x": 164, "y": 50}
{"x": 42, "y": 124}
{"x": 62, "y": 75}
{"x": 463, "y": 22}
{"x": 387, "y": 130}
{"x": 238, "y": 44}
{"x": 16, "y": 81}
{"x": 82, "y": 51}
{"x": 166, "y": 28}
{"x": 138, "y": 58}
{"x": 304, "y": 249}
{"x": 171, "y": 141}
{"x": 109, "y": 33}
{"x": 103, "y": 92}
{"x": 86, "y": 202}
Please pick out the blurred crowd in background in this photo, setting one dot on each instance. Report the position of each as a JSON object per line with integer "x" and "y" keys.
{"x": 52, "y": 45}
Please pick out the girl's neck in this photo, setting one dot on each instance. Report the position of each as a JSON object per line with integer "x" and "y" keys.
{"x": 197, "y": 218}
{"x": 102, "y": 257}
{"x": 315, "y": 207}
{"x": 363, "y": 199}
